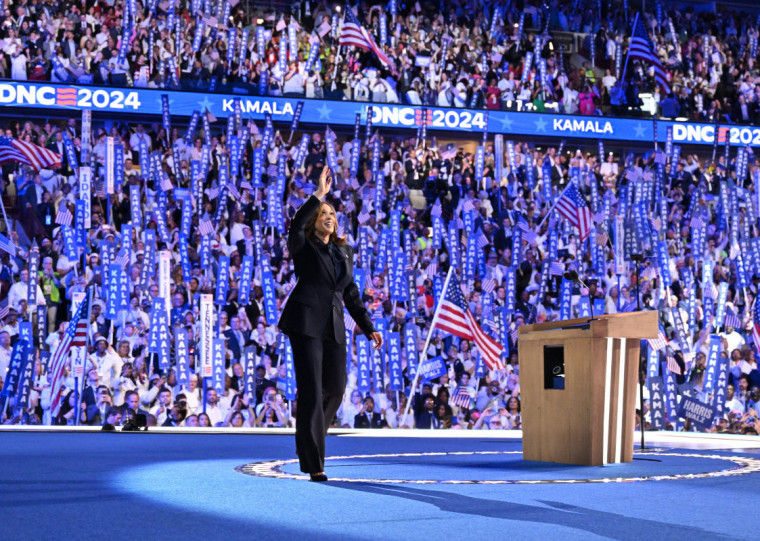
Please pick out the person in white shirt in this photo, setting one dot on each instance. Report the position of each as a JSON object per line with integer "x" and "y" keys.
{"x": 213, "y": 409}
{"x": 109, "y": 364}
{"x": 732, "y": 403}
{"x": 18, "y": 292}
{"x": 349, "y": 409}
{"x": 18, "y": 65}
{"x": 163, "y": 407}
{"x": 139, "y": 137}
{"x": 609, "y": 80}
{"x": 5, "y": 353}
{"x": 609, "y": 170}
{"x": 123, "y": 384}
{"x": 293, "y": 85}
{"x": 193, "y": 396}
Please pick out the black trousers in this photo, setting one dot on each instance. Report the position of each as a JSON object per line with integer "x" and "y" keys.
{"x": 320, "y": 365}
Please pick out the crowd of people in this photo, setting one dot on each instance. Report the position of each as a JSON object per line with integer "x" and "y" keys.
{"x": 469, "y": 54}
{"x": 506, "y": 244}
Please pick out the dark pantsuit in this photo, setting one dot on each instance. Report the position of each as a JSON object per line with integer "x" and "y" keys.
{"x": 313, "y": 319}
{"x": 320, "y": 365}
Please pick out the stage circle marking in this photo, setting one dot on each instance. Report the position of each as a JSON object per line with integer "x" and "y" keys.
{"x": 273, "y": 469}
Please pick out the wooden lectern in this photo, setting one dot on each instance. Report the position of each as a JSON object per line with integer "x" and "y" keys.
{"x": 578, "y": 382}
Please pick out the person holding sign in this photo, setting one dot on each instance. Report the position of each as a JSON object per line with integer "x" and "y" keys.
{"x": 313, "y": 319}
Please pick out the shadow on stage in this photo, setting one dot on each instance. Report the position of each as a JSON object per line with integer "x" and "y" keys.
{"x": 605, "y": 524}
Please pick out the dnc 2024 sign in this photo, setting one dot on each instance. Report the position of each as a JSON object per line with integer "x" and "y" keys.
{"x": 343, "y": 113}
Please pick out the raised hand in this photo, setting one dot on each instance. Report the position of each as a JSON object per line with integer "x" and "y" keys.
{"x": 325, "y": 183}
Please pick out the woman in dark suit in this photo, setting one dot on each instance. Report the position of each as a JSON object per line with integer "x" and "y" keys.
{"x": 313, "y": 319}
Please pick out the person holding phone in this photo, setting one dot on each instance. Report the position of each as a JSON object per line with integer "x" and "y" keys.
{"x": 313, "y": 320}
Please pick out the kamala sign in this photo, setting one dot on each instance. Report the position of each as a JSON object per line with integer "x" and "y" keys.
{"x": 343, "y": 113}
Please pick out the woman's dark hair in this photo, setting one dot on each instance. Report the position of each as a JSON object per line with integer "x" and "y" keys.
{"x": 519, "y": 406}
{"x": 311, "y": 229}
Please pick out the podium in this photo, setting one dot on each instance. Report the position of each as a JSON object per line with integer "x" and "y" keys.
{"x": 578, "y": 381}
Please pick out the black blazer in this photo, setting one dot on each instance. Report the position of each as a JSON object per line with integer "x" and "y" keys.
{"x": 361, "y": 421}
{"x": 233, "y": 345}
{"x": 318, "y": 295}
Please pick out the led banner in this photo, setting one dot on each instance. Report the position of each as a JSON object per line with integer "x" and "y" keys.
{"x": 183, "y": 104}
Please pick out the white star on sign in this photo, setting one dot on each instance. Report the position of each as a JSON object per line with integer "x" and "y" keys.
{"x": 205, "y": 104}
{"x": 639, "y": 129}
{"x": 506, "y": 123}
{"x": 324, "y": 112}
{"x": 541, "y": 125}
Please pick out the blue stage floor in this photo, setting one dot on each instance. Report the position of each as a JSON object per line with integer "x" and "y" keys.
{"x": 70, "y": 486}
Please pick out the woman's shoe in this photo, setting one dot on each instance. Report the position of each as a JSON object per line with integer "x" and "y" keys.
{"x": 318, "y": 477}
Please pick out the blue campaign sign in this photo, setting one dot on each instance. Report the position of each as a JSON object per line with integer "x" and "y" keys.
{"x": 217, "y": 363}
{"x": 394, "y": 361}
{"x": 181, "y": 356}
{"x": 432, "y": 368}
{"x": 410, "y": 344}
{"x": 147, "y": 101}
{"x": 657, "y": 402}
{"x": 362, "y": 364}
{"x": 290, "y": 373}
{"x": 701, "y": 414}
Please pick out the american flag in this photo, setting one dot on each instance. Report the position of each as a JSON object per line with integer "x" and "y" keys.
{"x": 349, "y": 207}
{"x": 4, "y": 308}
{"x": 649, "y": 273}
{"x": 363, "y": 215}
{"x": 468, "y": 205}
{"x": 432, "y": 269}
{"x": 641, "y": 47}
{"x": 572, "y": 206}
{"x": 13, "y": 150}
{"x": 455, "y": 317}
{"x": 756, "y": 324}
{"x": 462, "y": 397}
{"x": 245, "y": 185}
{"x": 7, "y": 245}
{"x": 696, "y": 221}
{"x": 166, "y": 183}
{"x": 64, "y": 217}
{"x": 674, "y": 366}
{"x": 528, "y": 235}
{"x": 212, "y": 193}
{"x": 122, "y": 258}
{"x": 601, "y": 238}
{"x": 734, "y": 250}
{"x": 731, "y": 319}
{"x": 75, "y": 335}
{"x": 514, "y": 334}
{"x": 368, "y": 194}
{"x": 232, "y": 191}
{"x": 660, "y": 342}
{"x": 294, "y": 201}
{"x": 205, "y": 227}
{"x": 349, "y": 322}
{"x": 481, "y": 239}
{"x": 709, "y": 290}
{"x": 99, "y": 185}
{"x": 556, "y": 268}
{"x": 353, "y": 33}
{"x": 488, "y": 285}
